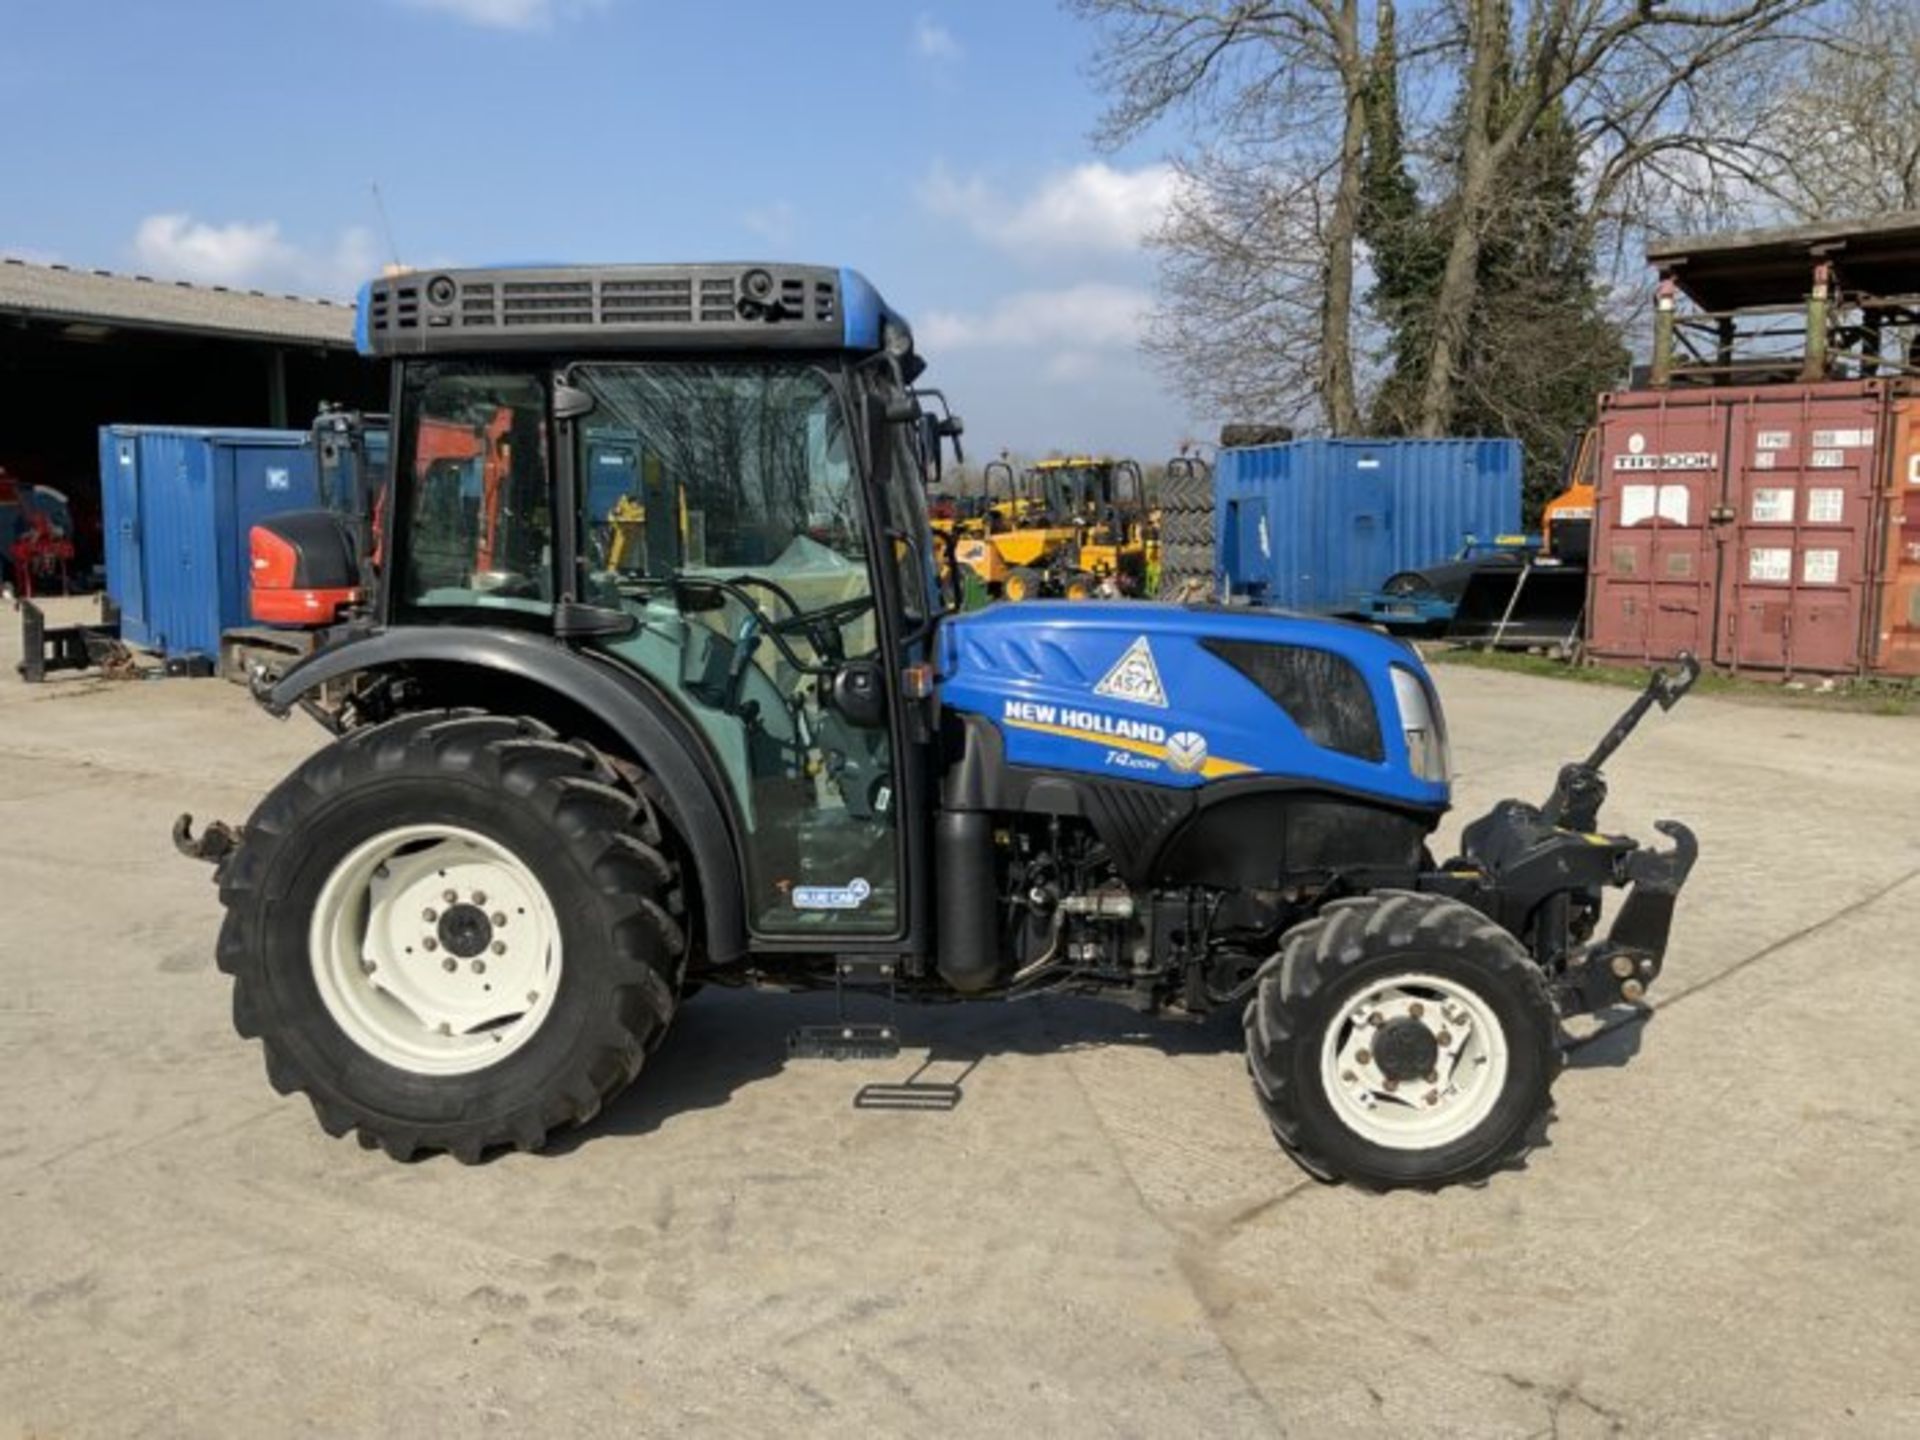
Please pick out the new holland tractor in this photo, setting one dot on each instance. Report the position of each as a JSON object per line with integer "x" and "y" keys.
{"x": 563, "y": 794}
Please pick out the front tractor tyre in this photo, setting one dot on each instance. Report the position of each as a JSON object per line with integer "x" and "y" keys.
{"x": 1402, "y": 1040}
{"x": 453, "y": 932}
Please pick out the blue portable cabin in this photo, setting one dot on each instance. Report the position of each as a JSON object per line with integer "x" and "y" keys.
{"x": 177, "y": 503}
{"x": 1319, "y": 525}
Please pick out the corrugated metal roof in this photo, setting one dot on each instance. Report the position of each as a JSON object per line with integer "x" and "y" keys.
{"x": 1876, "y": 255}
{"x": 102, "y": 297}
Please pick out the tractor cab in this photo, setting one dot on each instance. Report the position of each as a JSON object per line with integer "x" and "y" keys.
{"x": 708, "y": 482}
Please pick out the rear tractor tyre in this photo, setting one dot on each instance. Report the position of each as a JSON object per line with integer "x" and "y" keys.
{"x": 453, "y": 932}
{"x": 1402, "y": 1040}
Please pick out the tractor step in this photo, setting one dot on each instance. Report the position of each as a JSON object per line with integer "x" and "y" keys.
{"x": 843, "y": 1042}
{"x": 847, "y": 1039}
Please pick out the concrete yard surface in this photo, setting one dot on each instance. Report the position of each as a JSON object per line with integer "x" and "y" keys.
{"x": 1100, "y": 1239}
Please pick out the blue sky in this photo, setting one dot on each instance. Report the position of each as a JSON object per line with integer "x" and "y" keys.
{"x": 942, "y": 148}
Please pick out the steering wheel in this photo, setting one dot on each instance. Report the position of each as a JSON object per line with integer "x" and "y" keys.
{"x": 784, "y": 595}
{"x": 821, "y": 627}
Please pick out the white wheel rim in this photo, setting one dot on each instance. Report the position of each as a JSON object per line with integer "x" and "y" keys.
{"x": 396, "y": 964}
{"x": 1469, "y": 1069}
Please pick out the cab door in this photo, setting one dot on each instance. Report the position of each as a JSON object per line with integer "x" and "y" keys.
{"x": 763, "y": 614}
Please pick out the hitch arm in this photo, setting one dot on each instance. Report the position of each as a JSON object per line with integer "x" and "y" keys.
{"x": 1665, "y": 689}
{"x": 1579, "y": 791}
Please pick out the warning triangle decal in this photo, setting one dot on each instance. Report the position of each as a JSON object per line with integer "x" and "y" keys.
{"x": 1135, "y": 678}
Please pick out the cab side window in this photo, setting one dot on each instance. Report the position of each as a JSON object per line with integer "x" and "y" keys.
{"x": 480, "y": 523}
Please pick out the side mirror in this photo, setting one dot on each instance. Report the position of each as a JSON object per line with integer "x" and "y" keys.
{"x": 929, "y": 427}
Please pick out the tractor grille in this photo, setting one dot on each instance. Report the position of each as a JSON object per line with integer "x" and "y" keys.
{"x": 1323, "y": 693}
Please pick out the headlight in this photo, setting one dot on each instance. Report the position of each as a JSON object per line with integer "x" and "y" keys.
{"x": 1420, "y": 723}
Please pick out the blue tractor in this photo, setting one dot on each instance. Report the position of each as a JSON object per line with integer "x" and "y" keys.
{"x": 656, "y": 689}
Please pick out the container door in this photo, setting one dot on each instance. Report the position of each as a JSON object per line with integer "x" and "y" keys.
{"x": 1898, "y": 650}
{"x": 176, "y": 525}
{"x": 1368, "y": 557}
{"x": 1244, "y": 550}
{"x": 1801, "y": 488}
{"x": 1653, "y": 559}
{"x": 120, "y": 508}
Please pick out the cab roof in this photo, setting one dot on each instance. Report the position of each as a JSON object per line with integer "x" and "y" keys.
{"x": 745, "y": 306}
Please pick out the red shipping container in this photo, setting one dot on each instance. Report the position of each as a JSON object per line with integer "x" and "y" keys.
{"x": 1744, "y": 524}
{"x": 1897, "y": 645}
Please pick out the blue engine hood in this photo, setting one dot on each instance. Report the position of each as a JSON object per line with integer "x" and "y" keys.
{"x": 1127, "y": 691}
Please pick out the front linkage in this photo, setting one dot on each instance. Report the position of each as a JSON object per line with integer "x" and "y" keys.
{"x": 1540, "y": 872}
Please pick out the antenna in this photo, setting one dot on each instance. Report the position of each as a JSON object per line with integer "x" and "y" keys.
{"x": 386, "y": 225}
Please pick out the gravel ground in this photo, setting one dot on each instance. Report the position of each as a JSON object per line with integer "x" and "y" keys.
{"x": 1101, "y": 1239}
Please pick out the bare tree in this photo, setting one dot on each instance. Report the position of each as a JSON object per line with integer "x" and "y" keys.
{"x": 1846, "y": 129}
{"x": 1626, "y": 73}
{"x": 1283, "y": 85}
{"x": 1241, "y": 323}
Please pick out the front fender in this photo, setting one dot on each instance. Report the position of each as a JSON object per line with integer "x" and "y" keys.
{"x": 625, "y": 704}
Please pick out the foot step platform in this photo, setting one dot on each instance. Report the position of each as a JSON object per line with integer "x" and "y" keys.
{"x": 847, "y": 1039}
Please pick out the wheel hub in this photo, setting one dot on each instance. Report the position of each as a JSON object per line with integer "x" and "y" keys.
{"x": 1405, "y": 1049}
{"x": 435, "y": 949}
{"x": 1415, "y": 1061}
{"x": 465, "y": 931}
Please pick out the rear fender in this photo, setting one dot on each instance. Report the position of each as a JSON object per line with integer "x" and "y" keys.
{"x": 530, "y": 673}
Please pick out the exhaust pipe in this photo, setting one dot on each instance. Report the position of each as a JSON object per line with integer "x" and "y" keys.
{"x": 969, "y": 951}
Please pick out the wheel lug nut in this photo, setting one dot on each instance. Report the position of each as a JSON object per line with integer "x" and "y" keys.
{"x": 367, "y": 967}
{"x": 479, "y": 967}
{"x": 1347, "y": 1077}
{"x": 499, "y": 918}
{"x": 499, "y": 947}
{"x": 1445, "y": 1038}
{"x": 450, "y": 896}
{"x": 1416, "y": 1009}
{"x": 479, "y": 897}
{"x": 429, "y": 943}
{"x": 1433, "y": 1077}
{"x": 449, "y": 964}
{"x": 429, "y": 915}
{"x": 1364, "y": 1057}
{"x": 1433, "y": 1097}
{"x": 1391, "y": 1084}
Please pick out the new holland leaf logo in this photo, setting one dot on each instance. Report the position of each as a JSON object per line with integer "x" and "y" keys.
{"x": 1135, "y": 678}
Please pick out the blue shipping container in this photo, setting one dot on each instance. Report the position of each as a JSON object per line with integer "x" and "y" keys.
{"x": 176, "y": 506}
{"x": 1315, "y": 525}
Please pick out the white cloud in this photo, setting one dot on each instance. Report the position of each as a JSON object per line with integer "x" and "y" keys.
{"x": 1070, "y": 366}
{"x": 252, "y": 255}
{"x": 1090, "y": 208}
{"x": 772, "y": 222}
{"x": 509, "y": 14}
{"x": 1077, "y": 318}
{"x": 934, "y": 40}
